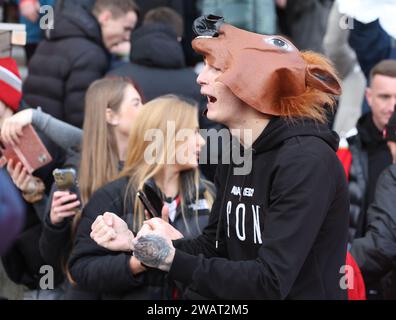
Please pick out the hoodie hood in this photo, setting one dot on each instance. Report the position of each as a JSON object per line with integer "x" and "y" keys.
{"x": 279, "y": 129}
{"x": 273, "y": 136}
{"x": 156, "y": 45}
{"x": 73, "y": 21}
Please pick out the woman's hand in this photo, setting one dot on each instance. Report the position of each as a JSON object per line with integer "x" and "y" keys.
{"x": 59, "y": 209}
{"x": 21, "y": 178}
{"x": 32, "y": 188}
{"x": 112, "y": 233}
{"x": 12, "y": 127}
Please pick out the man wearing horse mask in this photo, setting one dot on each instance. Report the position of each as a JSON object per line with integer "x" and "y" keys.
{"x": 278, "y": 231}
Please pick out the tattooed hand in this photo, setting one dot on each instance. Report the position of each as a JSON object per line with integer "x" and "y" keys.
{"x": 154, "y": 251}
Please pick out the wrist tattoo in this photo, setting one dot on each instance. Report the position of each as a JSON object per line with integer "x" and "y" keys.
{"x": 152, "y": 250}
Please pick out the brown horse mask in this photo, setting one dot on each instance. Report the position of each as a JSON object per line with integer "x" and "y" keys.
{"x": 267, "y": 72}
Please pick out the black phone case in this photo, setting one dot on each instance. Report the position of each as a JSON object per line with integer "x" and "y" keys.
{"x": 151, "y": 201}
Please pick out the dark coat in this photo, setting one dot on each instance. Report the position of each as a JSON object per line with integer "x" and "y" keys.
{"x": 370, "y": 156}
{"x": 12, "y": 212}
{"x": 97, "y": 269}
{"x": 372, "y": 44}
{"x": 375, "y": 253}
{"x": 70, "y": 58}
{"x": 158, "y": 65}
{"x": 23, "y": 260}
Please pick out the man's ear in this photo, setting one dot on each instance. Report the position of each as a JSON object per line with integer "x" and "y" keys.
{"x": 369, "y": 96}
{"x": 104, "y": 16}
{"x": 320, "y": 78}
{"x": 111, "y": 117}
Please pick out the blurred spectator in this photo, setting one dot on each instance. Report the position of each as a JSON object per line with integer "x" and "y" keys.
{"x": 337, "y": 49}
{"x": 304, "y": 21}
{"x": 10, "y": 88}
{"x": 190, "y": 13}
{"x": 369, "y": 151}
{"x": 76, "y": 53}
{"x": 111, "y": 104}
{"x": 11, "y": 212}
{"x": 157, "y": 59}
{"x": 375, "y": 253}
{"x": 11, "y": 206}
{"x": 22, "y": 261}
{"x": 29, "y": 14}
{"x": 371, "y": 44}
{"x": 372, "y": 32}
{"x": 148, "y": 5}
{"x": 336, "y": 45}
{"x": 252, "y": 15}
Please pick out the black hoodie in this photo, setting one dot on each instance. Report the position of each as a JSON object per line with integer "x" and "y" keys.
{"x": 282, "y": 228}
{"x": 66, "y": 62}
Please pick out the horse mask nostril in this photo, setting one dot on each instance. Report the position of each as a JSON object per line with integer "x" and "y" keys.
{"x": 208, "y": 26}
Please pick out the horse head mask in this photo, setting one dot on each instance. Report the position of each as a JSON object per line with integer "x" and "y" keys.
{"x": 266, "y": 72}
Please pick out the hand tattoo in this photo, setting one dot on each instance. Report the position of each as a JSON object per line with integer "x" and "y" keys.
{"x": 154, "y": 251}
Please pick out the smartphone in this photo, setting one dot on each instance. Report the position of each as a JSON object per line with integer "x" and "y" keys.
{"x": 66, "y": 180}
{"x": 151, "y": 201}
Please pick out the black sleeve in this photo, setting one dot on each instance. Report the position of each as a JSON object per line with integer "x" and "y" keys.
{"x": 93, "y": 267}
{"x": 296, "y": 212}
{"x": 89, "y": 67}
{"x": 371, "y": 44}
{"x": 375, "y": 252}
{"x": 55, "y": 241}
{"x": 55, "y": 244}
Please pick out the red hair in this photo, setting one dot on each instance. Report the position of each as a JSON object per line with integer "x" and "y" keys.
{"x": 313, "y": 103}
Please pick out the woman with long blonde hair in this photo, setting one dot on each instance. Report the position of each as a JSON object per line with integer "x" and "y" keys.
{"x": 163, "y": 152}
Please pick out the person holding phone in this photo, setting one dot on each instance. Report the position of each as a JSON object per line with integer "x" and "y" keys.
{"x": 172, "y": 172}
{"x": 98, "y": 151}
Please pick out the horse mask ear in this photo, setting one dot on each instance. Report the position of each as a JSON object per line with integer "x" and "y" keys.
{"x": 321, "y": 79}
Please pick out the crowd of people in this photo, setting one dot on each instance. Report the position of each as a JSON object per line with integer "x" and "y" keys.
{"x": 120, "y": 92}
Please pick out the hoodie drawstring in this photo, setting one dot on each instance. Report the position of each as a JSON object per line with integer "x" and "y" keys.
{"x": 222, "y": 206}
{"x": 224, "y": 195}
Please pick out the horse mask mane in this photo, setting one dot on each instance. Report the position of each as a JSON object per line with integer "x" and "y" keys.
{"x": 267, "y": 72}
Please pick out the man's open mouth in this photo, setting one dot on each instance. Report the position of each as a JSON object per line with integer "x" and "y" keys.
{"x": 211, "y": 99}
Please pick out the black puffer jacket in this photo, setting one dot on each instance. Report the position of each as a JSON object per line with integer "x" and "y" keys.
{"x": 105, "y": 272}
{"x": 158, "y": 64}
{"x": 70, "y": 58}
{"x": 370, "y": 156}
{"x": 376, "y": 252}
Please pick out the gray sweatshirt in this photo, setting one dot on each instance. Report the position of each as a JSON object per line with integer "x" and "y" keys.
{"x": 61, "y": 133}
